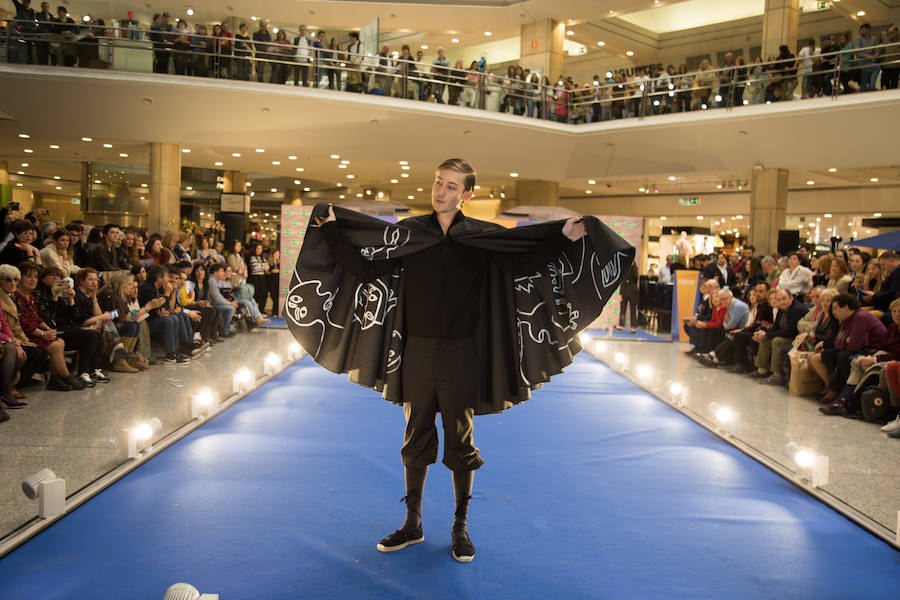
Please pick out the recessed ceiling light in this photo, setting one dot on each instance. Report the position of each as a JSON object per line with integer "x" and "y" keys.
{"x": 260, "y": 149}
{"x": 123, "y": 155}
{"x": 273, "y": 190}
{"x": 587, "y": 191}
{"x": 20, "y": 172}
{"x": 57, "y": 177}
{"x": 351, "y": 176}
{"x": 186, "y": 150}
{"x": 876, "y": 214}
{"x": 601, "y": 43}
{"x": 513, "y": 174}
{"x": 629, "y": 53}
{"x": 810, "y": 182}
{"x": 219, "y": 163}
{"x": 345, "y": 162}
{"x": 143, "y": 185}
{"x": 54, "y": 146}
{"x": 97, "y": 181}
{"x": 592, "y": 181}
{"x": 832, "y": 170}
{"x": 335, "y": 156}
{"x": 827, "y": 215}
{"x": 672, "y": 178}
{"x": 87, "y": 139}
{"x": 19, "y": 184}
{"x": 570, "y": 32}
{"x": 642, "y": 189}
{"x": 236, "y": 154}
{"x": 477, "y": 187}
{"x": 424, "y": 46}
{"x": 59, "y": 187}
{"x": 299, "y": 169}
{"x": 24, "y": 136}
{"x": 107, "y": 145}
{"x": 189, "y": 188}
{"x": 420, "y": 189}
{"x": 404, "y": 174}
{"x": 455, "y": 40}
{"x": 410, "y": 197}
{"x": 28, "y": 151}
{"x": 663, "y": 218}
{"x": 395, "y": 181}
{"x": 306, "y": 189}
{"x": 405, "y": 167}
{"x": 860, "y": 13}
{"x": 276, "y": 162}
{"x": 296, "y": 182}
{"x": 872, "y": 179}
{"x": 699, "y": 217}
{"x": 488, "y": 33}
{"x": 339, "y": 184}
{"x": 24, "y": 165}
{"x": 404, "y": 162}
{"x": 342, "y": 166}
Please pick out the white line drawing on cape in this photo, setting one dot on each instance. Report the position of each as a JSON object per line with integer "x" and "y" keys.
{"x": 525, "y": 284}
{"x": 301, "y": 310}
{"x": 374, "y": 301}
{"x": 610, "y": 273}
{"x": 395, "y": 355}
{"x": 393, "y": 239}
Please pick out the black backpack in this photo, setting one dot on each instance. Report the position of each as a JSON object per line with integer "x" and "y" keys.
{"x": 873, "y": 396}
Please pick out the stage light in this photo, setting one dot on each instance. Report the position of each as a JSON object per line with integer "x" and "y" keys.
{"x": 807, "y": 464}
{"x": 242, "y": 380}
{"x": 271, "y": 363}
{"x": 138, "y": 438}
{"x": 294, "y": 350}
{"x": 645, "y": 371}
{"x": 202, "y": 402}
{"x": 185, "y": 591}
{"x": 584, "y": 338}
{"x": 49, "y": 490}
{"x": 620, "y": 358}
{"x": 675, "y": 388}
{"x": 600, "y": 347}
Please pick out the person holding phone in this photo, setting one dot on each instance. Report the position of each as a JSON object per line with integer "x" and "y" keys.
{"x": 81, "y": 320}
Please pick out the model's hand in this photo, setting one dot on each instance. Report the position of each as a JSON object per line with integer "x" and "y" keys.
{"x": 574, "y": 229}
{"x": 322, "y": 220}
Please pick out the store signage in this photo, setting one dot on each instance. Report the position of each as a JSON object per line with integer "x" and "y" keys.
{"x": 695, "y": 201}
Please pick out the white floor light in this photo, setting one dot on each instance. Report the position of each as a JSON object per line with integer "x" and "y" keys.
{"x": 271, "y": 363}
{"x": 203, "y": 401}
{"x": 294, "y": 351}
{"x": 139, "y": 437}
{"x": 242, "y": 380}
{"x": 807, "y": 464}
{"x": 49, "y": 490}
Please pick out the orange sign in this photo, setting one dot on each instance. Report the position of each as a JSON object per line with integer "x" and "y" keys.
{"x": 534, "y": 44}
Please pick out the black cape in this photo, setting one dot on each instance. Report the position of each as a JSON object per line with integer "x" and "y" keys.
{"x": 529, "y": 326}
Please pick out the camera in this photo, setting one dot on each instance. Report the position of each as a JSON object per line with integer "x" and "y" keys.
{"x": 11, "y": 206}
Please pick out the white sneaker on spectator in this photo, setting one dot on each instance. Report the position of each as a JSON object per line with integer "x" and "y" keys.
{"x": 85, "y": 378}
{"x": 99, "y": 376}
{"x": 892, "y": 426}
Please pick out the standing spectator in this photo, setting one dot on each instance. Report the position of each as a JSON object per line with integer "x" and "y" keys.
{"x": 457, "y": 82}
{"x": 45, "y": 24}
{"x": 104, "y": 255}
{"x": 181, "y": 49}
{"x": 262, "y": 42}
{"x": 67, "y": 29}
{"x": 273, "y": 276}
{"x": 891, "y": 56}
{"x": 242, "y": 52}
{"x": 385, "y": 69}
{"x": 808, "y": 56}
{"x": 256, "y": 276}
{"x": 827, "y": 60}
{"x": 865, "y": 58}
{"x": 787, "y": 68}
{"x": 226, "y": 50}
{"x": 440, "y": 72}
{"x": 727, "y": 75}
{"x": 334, "y": 57}
{"x": 355, "y": 66}
{"x": 720, "y": 271}
{"x": 666, "y": 276}
{"x": 202, "y": 47}
{"x": 284, "y": 55}
{"x": 628, "y": 293}
{"x": 303, "y": 56}
{"x": 27, "y": 23}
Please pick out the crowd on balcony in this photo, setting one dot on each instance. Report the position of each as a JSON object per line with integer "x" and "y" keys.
{"x": 79, "y": 302}
{"x": 840, "y": 312}
{"x": 840, "y": 64}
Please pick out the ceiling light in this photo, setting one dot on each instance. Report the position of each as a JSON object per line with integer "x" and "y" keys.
{"x": 395, "y": 181}
{"x": 345, "y": 162}
{"x": 455, "y": 40}
{"x": 19, "y": 184}
{"x": 351, "y": 176}
{"x": 236, "y": 154}
{"x": 420, "y": 189}
{"x": 143, "y": 185}
{"x": 219, "y": 163}
{"x": 342, "y": 196}
{"x": 601, "y": 43}
{"x": 189, "y": 188}
{"x": 276, "y": 162}
{"x": 810, "y": 182}
{"x": 629, "y": 53}
{"x": 24, "y": 136}
{"x": 872, "y": 179}
{"x": 827, "y": 215}
{"x": 587, "y": 191}
{"x": 699, "y": 217}
{"x": 107, "y": 145}
{"x": 876, "y": 214}
{"x": 570, "y": 32}
{"x": 54, "y": 146}
{"x": 339, "y": 184}
{"x": 404, "y": 174}
{"x": 719, "y": 186}
{"x": 410, "y": 197}
{"x": 28, "y": 151}
{"x": 190, "y": 12}
{"x": 123, "y": 155}
{"x": 296, "y": 182}
{"x": 513, "y": 174}
{"x": 292, "y": 157}
{"x": 477, "y": 187}
{"x": 860, "y": 13}
{"x": 24, "y": 165}
{"x": 20, "y": 172}
{"x": 273, "y": 190}
{"x": 342, "y": 166}
{"x": 663, "y": 218}
{"x": 672, "y": 178}
{"x": 306, "y": 189}
{"x": 488, "y": 33}
{"x": 87, "y": 139}
{"x": 642, "y": 189}
{"x": 592, "y": 181}
{"x": 335, "y": 156}
{"x": 59, "y": 187}
{"x": 832, "y": 170}
{"x": 405, "y": 167}
{"x": 186, "y": 150}
{"x": 424, "y": 46}
{"x": 403, "y": 162}
{"x": 740, "y": 217}
{"x": 57, "y": 177}
{"x": 97, "y": 181}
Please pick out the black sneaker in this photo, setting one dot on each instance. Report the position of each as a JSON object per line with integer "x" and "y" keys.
{"x": 13, "y": 403}
{"x": 199, "y": 349}
{"x": 85, "y": 379}
{"x": 175, "y": 358}
{"x": 99, "y": 376}
{"x": 400, "y": 539}
{"x": 463, "y": 549}
{"x": 69, "y": 380}
{"x": 229, "y": 334}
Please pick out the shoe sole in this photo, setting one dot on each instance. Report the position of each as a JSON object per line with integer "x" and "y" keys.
{"x": 382, "y": 548}
{"x": 462, "y": 559}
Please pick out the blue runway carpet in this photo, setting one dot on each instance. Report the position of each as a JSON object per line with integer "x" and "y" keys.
{"x": 591, "y": 489}
{"x": 625, "y": 334}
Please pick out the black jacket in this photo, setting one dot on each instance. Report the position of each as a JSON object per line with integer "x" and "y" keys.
{"x": 786, "y": 321}
{"x": 711, "y": 271}
{"x": 353, "y": 315}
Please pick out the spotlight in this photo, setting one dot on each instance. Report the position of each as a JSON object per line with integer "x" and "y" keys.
{"x": 271, "y": 363}
{"x": 645, "y": 371}
{"x": 620, "y": 358}
{"x": 185, "y": 591}
{"x": 202, "y": 402}
{"x": 138, "y": 438}
{"x": 724, "y": 417}
{"x": 242, "y": 380}
{"x": 585, "y": 338}
{"x": 294, "y": 350}
{"x": 49, "y": 490}
{"x": 807, "y": 464}
{"x": 600, "y": 346}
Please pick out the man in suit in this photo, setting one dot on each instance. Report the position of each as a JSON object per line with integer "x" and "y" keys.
{"x": 720, "y": 271}
{"x": 770, "y": 356}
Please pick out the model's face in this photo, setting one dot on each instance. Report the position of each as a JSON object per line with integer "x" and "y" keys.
{"x": 448, "y": 191}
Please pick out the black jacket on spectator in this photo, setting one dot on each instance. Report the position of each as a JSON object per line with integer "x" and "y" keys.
{"x": 711, "y": 271}
{"x": 786, "y": 322}
{"x": 102, "y": 258}
{"x": 890, "y": 290}
{"x": 147, "y": 292}
{"x": 13, "y": 254}
{"x": 70, "y": 317}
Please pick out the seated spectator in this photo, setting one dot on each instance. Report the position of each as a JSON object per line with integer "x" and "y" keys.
{"x": 839, "y": 275}
{"x": 857, "y": 263}
{"x": 20, "y": 248}
{"x": 36, "y": 329}
{"x": 719, "y": 270}
{"x": 119, "y": 291}
{"x": 195, "y": 296}
{"x": 77, "y": 244}
{"x": 890, "y": 286}
{"x": 50, "y": 288}
{"x": 731, "y": 315}
{"x": 218, "y": 278}
{"x": 770, "y": 270}
{"x": 202, "y": 320}
{"x": 821, "y": 268}
{"x": 860, "y": 333}
{"x": 796, "y": 278}
{"x": 12, "y": 360}
{"x": 36, "y": 358}
{"x": 105, "y": 256}
{"x": 81, "y": 321}
{"x": 819, "y": 325}
{"x": 58, "y": 254}
{"x": 132, "y": 246}
{"x": 754, "y": 270}
{"x": 708, "y": 289}
{"x": 156, "y": 254}
{"x": 140, "y": 273}
{"x": 769, "y": 357}
{"x": 204, "y": 252}
{"x": 182, "y": 248}
{"x": 782, "y": 264}
{"x": 164, "y": 330}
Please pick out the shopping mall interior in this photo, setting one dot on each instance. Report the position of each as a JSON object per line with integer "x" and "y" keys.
{"x": 642, "y": 471}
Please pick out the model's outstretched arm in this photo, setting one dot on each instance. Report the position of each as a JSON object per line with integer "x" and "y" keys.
{"x": 348, "y": 256}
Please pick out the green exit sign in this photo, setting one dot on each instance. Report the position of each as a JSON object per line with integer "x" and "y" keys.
{"x": 689, "y": 201}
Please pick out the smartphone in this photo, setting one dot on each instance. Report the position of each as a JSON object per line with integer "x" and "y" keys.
{"x": 114, "y": 313}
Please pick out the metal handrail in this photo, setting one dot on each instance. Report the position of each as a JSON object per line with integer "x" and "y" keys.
{"x": 636, "y": 98}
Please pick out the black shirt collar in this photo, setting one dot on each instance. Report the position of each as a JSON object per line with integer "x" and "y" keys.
{"x": 457, "y": 219}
